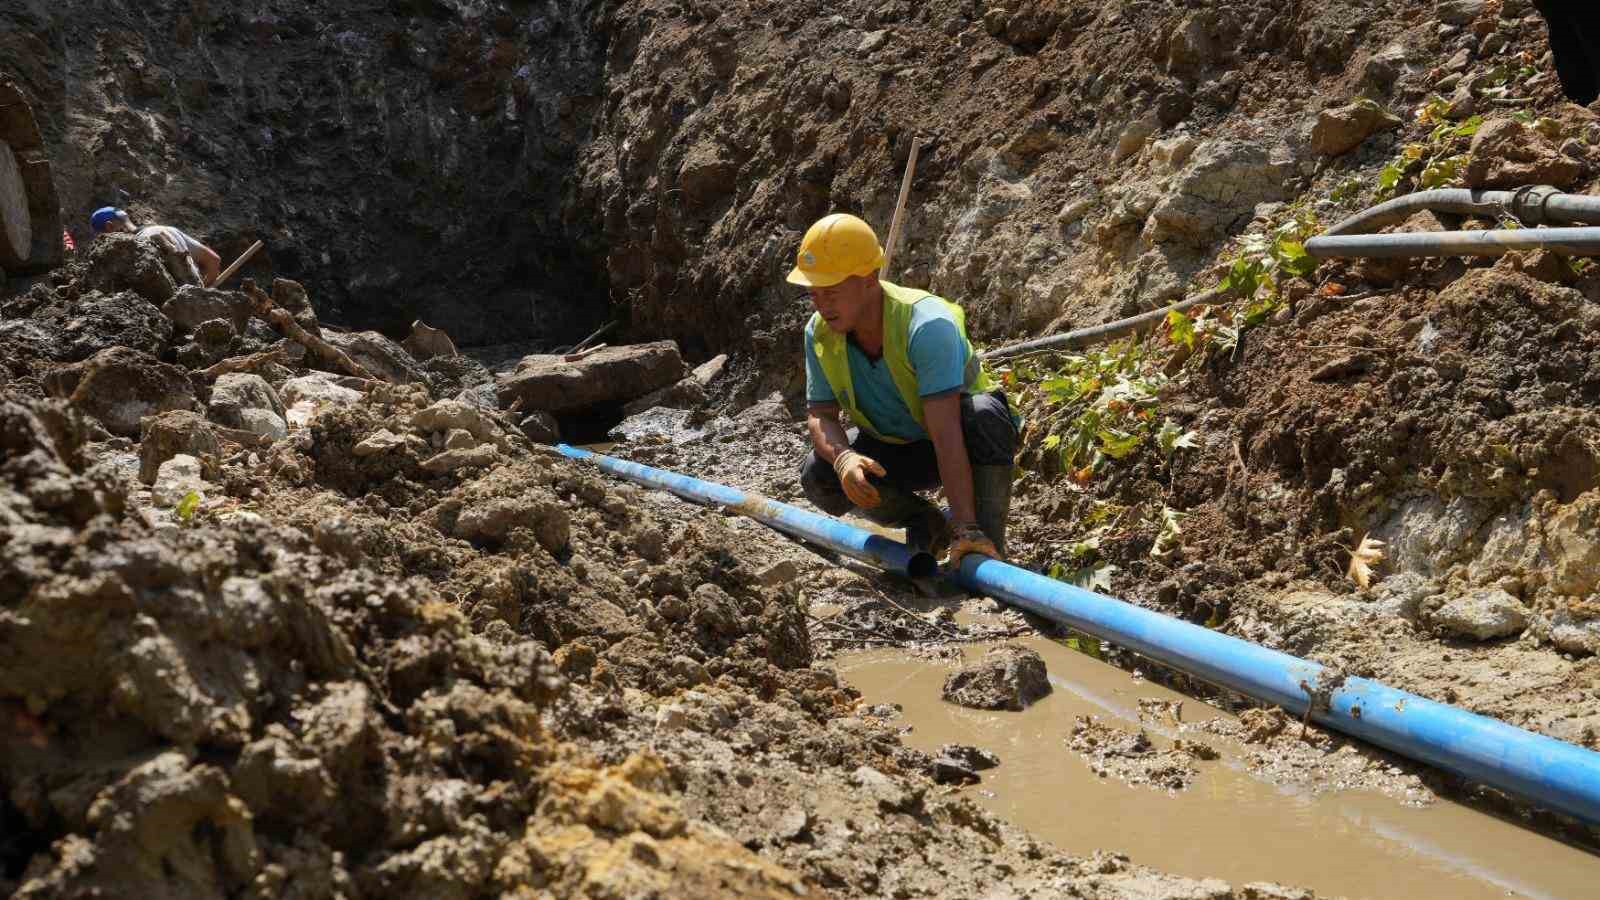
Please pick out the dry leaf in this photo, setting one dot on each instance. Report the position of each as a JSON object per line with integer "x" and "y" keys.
{"x": 1366, "y": 555}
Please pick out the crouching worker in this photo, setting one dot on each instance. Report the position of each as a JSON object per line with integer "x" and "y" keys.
{"x": 898, "y": 360}
{"x": 188, "y": 260}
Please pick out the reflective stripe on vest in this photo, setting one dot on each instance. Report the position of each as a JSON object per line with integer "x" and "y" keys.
{"x": 832, "y": 351}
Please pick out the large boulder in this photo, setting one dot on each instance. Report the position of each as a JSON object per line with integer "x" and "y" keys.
{"x": 614, "y": 375}
{"x": 1007, "y": 677}
{"x": 1509, "y": 154}
{"x": 426, "y": 342}
{"x": 1341, "y": 129}
{"x": 121, "y": 262}
{"x": 182, "y": 431}
{"x": 1217, "y": 193}
{"x": 120, "y": 386}
{"x": 687, "y": 393}
{"x": 381, "y": 356}
{"x": 97, "y": 321}
{"x": 193, "y": 305}
{"x": 1482, "y": 615}
{"x": 303, "y": 397}
{"x": 248, "y": 402}
{"x": 447, "y": 416}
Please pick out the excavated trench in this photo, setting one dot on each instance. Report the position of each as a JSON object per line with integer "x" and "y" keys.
{"x": 520, "y": 174}
{"x": 1109, "y": 760}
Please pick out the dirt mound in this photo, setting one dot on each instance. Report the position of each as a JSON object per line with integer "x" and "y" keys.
{"x": 402, "y": 651}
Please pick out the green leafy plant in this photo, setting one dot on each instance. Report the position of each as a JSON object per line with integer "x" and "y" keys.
{"x": 1167, "y": 540}
{"x": 1172, "y": 438}
{"x": 1102, "y": 406}
{"x": 187, "y": 507}
{"x": 1435, "y": 162}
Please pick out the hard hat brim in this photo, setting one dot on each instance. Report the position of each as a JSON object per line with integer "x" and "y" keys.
{"x": 813, "y": 279}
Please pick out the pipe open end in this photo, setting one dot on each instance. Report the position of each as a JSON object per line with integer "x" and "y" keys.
{"x": 922, "y": 565}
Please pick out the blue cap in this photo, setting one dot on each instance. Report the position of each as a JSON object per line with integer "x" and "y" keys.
{"x": 102, "y": 217}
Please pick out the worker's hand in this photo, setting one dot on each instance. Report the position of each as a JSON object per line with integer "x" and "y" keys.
{"x": 852, "y": 469}
{"x": 966, "y": 538}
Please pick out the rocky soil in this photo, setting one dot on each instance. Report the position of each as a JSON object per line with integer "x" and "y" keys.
{"x": 281, "y": 632}
{"x": 272, "y": 625}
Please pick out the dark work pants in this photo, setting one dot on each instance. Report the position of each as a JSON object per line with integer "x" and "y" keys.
{"x": 1574, "y": 29}
{"x": 986, "y": 425}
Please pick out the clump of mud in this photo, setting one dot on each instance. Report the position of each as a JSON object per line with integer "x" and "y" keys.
{"x": 1133, "y": 757}
{"x": 1285, "y": 751}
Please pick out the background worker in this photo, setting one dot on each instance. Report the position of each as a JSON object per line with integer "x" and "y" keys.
{"x": 899, "y": 362}
{"x": 174, "y": 242}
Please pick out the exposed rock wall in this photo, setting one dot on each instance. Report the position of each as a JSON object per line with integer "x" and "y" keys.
{"x": 404, "y": 160}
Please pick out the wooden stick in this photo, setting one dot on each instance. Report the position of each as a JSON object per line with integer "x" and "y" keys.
{"x": 285, "y": 323}
{"x": 576, "y": 355}
{"x": 243, "y": 258}
{"x": 899, "y": 209}
{"x": 242, "y": 363}
{"x": 602, "y": 330}
{"x": 240, "y": 436}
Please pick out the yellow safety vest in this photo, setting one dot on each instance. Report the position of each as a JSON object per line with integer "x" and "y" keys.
{"x": 898, "y": 302}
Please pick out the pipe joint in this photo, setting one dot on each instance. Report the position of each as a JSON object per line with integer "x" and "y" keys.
{"x": 1528, "y": 204}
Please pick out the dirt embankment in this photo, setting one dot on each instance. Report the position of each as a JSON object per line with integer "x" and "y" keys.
{"x": 1079, "y": 159}
{"x": 497, "y": 170}
{"x": 381, "y": 645}
{"x": 1443, "y": 408}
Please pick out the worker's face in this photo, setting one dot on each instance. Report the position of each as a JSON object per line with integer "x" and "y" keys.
{"x": 121, "y": 223}
{"x": 846, "y": 305}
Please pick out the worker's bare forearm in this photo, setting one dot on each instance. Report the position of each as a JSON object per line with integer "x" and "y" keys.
{"x": 827, "y": 432}
{"x": 943, "y": 417}
{"x": 209, "y": 262}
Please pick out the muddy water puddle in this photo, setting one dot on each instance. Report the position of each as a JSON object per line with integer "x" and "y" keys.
{"x": 1228, "y": 824}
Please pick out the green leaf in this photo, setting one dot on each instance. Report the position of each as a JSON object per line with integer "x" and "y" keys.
{"x": 1172, "y": 438}
{"x": 1093, "y": 578}
{"x": 1117, "y": 443}
{"x": 1469, "y": 127}
{"x": 1085, "y": 644}
{"x": 187, "y": 506}
{"x": 1441, "y": 172}
{"x": 1051, "y": 442}
{"x": 1293, "y": 258}
{"x": 1167, "y": 538}
{"x": 1389, "y": 177}
{"x": 1180, "y": 329}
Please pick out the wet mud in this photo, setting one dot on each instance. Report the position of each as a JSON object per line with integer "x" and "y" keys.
{"x": 1357, "y": 827}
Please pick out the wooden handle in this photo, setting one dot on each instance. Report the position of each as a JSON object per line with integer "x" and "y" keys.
{"x": 243, "y": 258}
{"x": 899, "y": 209}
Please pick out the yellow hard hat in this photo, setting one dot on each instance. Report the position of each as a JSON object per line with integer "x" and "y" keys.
{"x": 834, "y": 249}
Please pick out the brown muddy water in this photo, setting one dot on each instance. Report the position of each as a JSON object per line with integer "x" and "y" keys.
{"x": 1228, "y": 824}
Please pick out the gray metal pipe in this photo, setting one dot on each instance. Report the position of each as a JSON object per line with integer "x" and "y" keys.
{"x": 1567, "y": 241}
{"x": 1533, "y": 205}
{"x": 1096, "y": 333}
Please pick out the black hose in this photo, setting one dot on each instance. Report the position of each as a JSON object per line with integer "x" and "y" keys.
{"x": 1568, "y": 241}
{"x": 1096, "y": 333}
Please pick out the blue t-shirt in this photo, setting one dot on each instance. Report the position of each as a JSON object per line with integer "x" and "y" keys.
{"x": 938, "y": 356}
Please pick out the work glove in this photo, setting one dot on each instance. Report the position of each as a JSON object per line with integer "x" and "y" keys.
{"x": 966, "y": 538}
{"x": 852, "y": 469}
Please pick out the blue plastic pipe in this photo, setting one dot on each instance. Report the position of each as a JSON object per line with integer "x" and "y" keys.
{"x": 825, "y": 531}
{"x": 1553, "y": 773}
